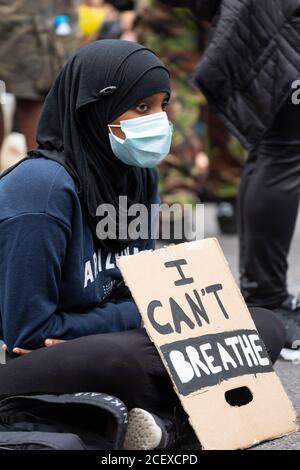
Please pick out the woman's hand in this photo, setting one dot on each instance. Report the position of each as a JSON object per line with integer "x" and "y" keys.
{"x": 48, "y": 342}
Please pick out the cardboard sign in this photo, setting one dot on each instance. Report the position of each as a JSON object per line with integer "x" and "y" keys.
{"x": 195, "y": 315}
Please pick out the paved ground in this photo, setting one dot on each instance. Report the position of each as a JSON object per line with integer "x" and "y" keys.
{"x": 288, "y": 372}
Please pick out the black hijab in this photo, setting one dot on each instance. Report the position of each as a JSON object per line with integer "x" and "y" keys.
{"x": 99, "y": 83}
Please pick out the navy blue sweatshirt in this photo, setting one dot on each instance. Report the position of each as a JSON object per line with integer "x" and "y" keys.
{"x": 53, "y": 282}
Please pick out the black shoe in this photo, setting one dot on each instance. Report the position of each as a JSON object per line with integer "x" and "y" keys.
{"x": 289, "y": 312}
{"x": 146, "y": 431}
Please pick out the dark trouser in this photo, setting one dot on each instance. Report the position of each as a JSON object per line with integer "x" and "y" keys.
{"x": 268, "y": 208}
{"x": 125, "y": 365}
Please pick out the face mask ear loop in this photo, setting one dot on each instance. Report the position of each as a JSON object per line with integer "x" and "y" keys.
{"x": 111, "y": 132}
{"x": 112, "y": 125}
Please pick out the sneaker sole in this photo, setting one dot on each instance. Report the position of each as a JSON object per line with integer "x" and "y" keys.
{"x": 290, "y": 355}
{"x": 142, "y": 433}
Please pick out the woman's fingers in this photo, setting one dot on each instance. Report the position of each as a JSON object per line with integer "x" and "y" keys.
{"x": 53, "y": 342}
{"x": 16, "y": 350}
{"x": 21, "y": 351}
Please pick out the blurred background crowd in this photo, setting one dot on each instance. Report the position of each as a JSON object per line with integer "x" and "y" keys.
{"x": 205, "y": 161}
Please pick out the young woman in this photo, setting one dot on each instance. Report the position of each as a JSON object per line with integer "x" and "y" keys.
{"x": 58, "y": 278}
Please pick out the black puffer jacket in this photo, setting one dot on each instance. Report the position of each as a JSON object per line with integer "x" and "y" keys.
{"x": 249, "y": 66}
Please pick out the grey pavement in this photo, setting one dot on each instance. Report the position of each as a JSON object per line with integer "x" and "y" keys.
{"x": 289, "y": 373}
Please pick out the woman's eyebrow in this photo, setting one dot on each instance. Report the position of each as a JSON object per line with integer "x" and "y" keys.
{"x": 144, "y": 100}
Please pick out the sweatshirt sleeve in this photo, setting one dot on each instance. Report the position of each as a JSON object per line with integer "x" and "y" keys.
{"x": 33, "y": 248}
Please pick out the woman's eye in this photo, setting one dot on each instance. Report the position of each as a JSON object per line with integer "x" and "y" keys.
{"x": 142, "y": 107}
{"x": 165, "y": 105}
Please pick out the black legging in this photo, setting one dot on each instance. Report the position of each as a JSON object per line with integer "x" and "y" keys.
{"x": 125, "y": 365}
{"x": 268, "y": 208}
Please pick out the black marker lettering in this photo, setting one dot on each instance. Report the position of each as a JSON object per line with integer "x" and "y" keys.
{"x": 197, "y": 308}
{"x": 179, "y": 316}
{"x": 162, "y": 329}
{"x": 177, "y": 264}
{"x": 214, "y": 289}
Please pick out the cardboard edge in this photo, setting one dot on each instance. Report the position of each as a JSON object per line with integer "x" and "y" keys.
{"x": 271, "y": 439}
{"x": 256, "y": 442}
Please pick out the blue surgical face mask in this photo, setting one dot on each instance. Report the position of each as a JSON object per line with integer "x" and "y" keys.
{"x": 148, "y": 140}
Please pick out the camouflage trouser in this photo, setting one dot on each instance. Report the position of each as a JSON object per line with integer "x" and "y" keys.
{"x": 174, "y": 35}
{"x": 179, "y": 40}
{"x": 31, "y": 53}
{"x": 226, "y": 157}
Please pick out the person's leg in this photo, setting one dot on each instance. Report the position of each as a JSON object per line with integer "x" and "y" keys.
{"x": 269, "y": 202}
{"x": 247, "y": 178}
{"x": 269, "y": 208}
{"x": 124, "y": 364}
{"x": 28, "y": 112}
{"x": 270, "y": 329}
